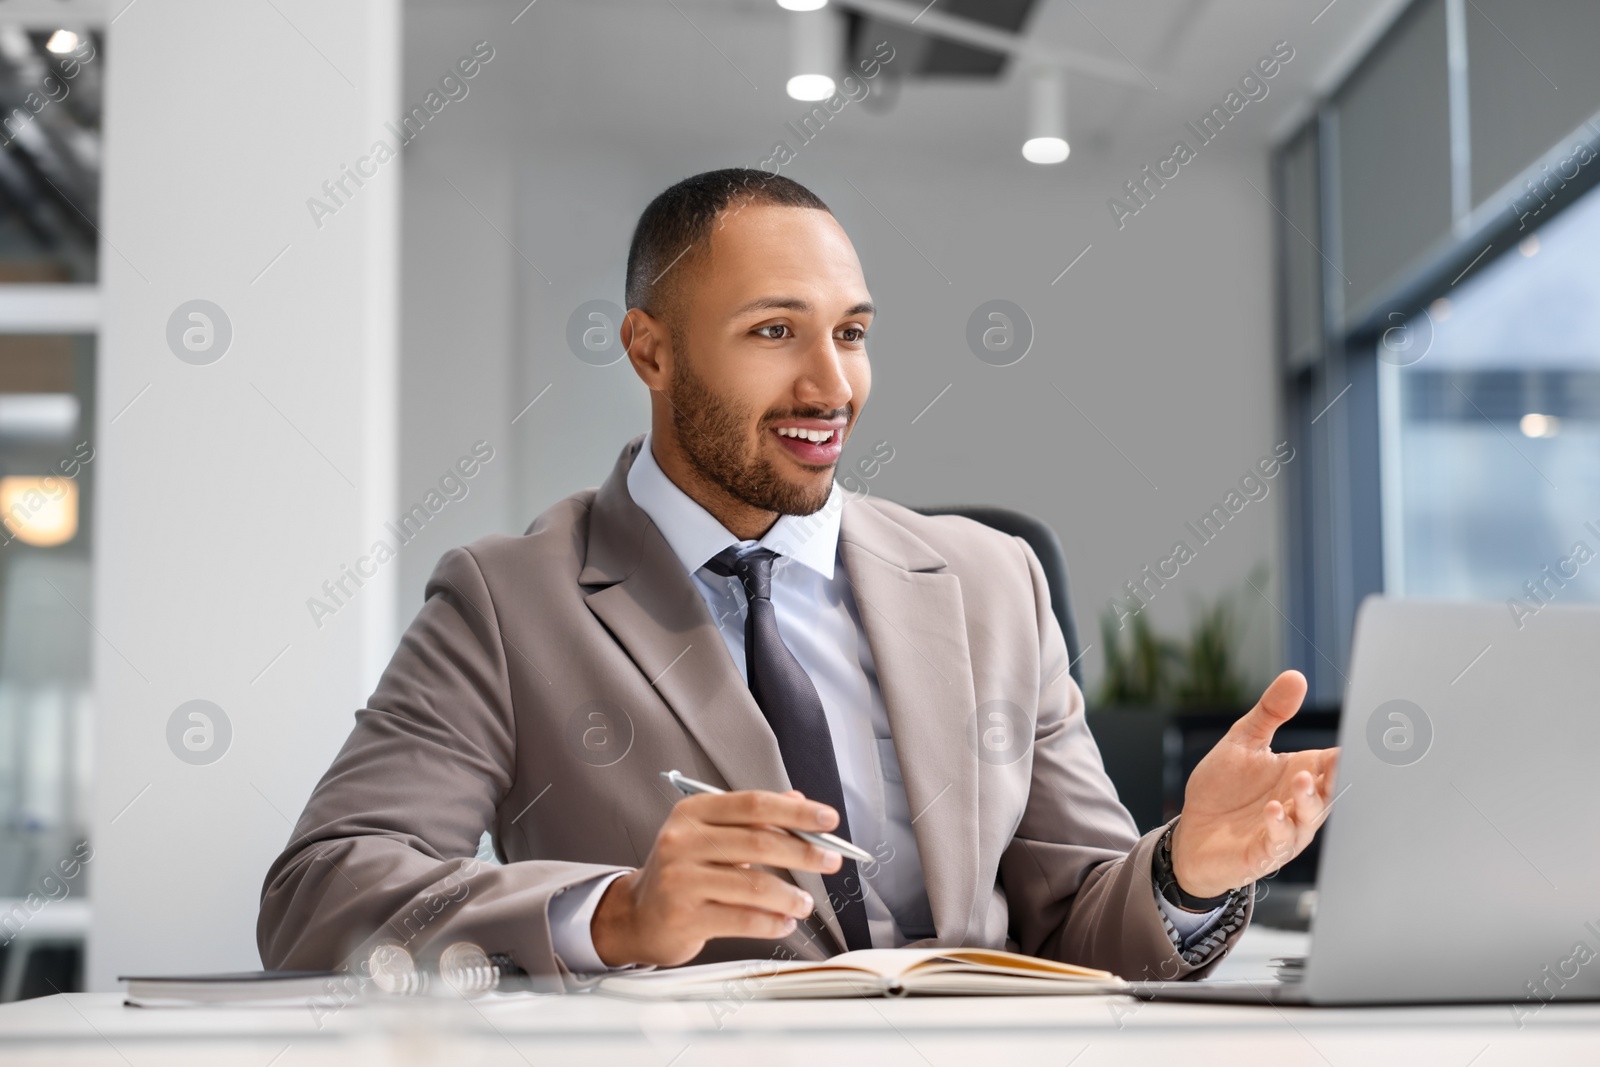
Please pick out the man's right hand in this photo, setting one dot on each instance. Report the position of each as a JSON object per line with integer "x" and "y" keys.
{"x": 703, "y": 878}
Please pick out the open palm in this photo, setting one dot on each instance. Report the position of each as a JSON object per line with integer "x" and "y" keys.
{"x": 1248, "y": 810}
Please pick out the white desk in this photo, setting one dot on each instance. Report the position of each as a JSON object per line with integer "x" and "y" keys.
{"x": 93, "y": 1028}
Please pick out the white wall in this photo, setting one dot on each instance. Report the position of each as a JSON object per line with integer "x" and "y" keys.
{"x": 460, "y": 378}
{"x": 229, "y": 492}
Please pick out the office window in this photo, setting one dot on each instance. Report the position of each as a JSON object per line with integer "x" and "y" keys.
{"x": 46, "y": 477}
{"x": 50, "y": 150}
{"x": 1491, "y": 444}
{"x": 1466, "y": 127}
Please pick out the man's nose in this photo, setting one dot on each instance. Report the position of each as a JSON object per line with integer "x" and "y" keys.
{"x": 823, "y": 382}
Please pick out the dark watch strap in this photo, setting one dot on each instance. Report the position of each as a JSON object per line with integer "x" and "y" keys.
{"x": 1167, "y": 882}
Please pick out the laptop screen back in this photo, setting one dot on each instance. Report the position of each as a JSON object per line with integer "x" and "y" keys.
{"x": 1461, "y": 860}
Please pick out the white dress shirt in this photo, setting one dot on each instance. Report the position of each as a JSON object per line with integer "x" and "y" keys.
{"x": 820, "y": 624}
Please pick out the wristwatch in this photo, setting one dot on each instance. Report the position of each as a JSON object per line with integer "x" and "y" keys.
{"x": 1167, "y": 882}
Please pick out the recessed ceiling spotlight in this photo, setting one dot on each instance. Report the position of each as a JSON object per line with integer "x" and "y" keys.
{"x": 810, "y": 87}
{"x": 61, "y": 42}
{"x": 802, "y": 5}
{"x": 1047, "y": 116}
{"x": 816, "y": 45}
{"x": 1529, "y": 246}
{"x": 1045, "y": 150}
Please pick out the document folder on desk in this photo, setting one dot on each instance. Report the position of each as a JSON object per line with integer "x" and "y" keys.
{"x": 891, "y": 972}
{"x": 248, "y": 989}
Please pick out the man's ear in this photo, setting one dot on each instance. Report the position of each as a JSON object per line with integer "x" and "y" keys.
{"x": 649, "y": 346}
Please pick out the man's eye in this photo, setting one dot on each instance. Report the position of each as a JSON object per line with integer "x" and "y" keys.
{"x": 854, "y": 334}
{"x": 762, "y": 330}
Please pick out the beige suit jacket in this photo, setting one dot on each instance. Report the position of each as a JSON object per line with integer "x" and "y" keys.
{"x": 548, "y": 679}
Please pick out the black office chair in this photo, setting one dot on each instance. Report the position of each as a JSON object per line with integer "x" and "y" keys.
{"x": 1047, "y": 546}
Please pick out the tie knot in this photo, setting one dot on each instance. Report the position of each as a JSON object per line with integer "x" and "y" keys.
{"x": 753, "y": 569}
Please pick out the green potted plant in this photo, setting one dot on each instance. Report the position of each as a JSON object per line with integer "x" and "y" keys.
{"x": 1212, "y": 679}
{"x": 1150, "y": 681}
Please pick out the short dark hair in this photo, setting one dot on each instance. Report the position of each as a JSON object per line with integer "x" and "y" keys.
{"x": 674, "y": 228}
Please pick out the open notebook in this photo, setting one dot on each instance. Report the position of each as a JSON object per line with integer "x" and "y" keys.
{"x": 876, "y": 972}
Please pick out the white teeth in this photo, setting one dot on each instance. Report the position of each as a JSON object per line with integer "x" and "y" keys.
{"x": 816, "y": 437}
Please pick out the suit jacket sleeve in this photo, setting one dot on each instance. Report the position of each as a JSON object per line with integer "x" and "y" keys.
{"x": 385, "y": 848}
{"x": 1077, "y": 875}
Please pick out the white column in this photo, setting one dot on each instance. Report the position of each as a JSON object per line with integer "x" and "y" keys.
{"x": 233, "y": 484}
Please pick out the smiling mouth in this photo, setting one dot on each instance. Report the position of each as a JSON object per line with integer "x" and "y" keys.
{"x": 814, "y": 447}
{"x": 816, "y": 437}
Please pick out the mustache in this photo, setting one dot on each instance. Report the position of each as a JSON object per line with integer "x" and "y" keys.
{"x": 809, "y": 413}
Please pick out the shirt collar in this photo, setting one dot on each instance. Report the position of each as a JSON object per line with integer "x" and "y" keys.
{"x": 695, "y": 536}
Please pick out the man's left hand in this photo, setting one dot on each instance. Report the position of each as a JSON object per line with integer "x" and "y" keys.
{"x": 1248, "y": 810}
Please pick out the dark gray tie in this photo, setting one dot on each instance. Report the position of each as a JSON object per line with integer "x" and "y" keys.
{"x": 785, "y": 695}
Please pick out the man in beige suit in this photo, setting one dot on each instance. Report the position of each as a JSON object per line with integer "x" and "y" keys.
{"x": 720, "y": 606}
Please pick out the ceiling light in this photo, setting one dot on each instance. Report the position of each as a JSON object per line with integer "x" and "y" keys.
{"x": 810, "y": 87}
{"x": 40, "y": 511}
{"x": 61, "y": 42}
{"x": 1047, "y": 116}
{"x": 1045, "y": 150}
{"x": 802, "y": 5}
{"x": 1535, "y": 425}
{"x": 1529, "y": 246}
{"x": 816, "y": 46}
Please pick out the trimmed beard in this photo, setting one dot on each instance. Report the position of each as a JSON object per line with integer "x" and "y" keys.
{"x": 714, "y": 442}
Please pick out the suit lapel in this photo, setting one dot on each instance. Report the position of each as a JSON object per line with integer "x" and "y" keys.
{"x": 916, "y": 627}
{"x": 650, "y": 605}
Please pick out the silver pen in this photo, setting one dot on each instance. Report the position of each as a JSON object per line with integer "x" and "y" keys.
{"x": 689, "y": 787}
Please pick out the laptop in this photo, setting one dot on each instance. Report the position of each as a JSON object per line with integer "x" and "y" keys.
{"x": 1460, "y": 861}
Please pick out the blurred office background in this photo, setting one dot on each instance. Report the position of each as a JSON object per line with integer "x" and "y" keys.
{"x": 1378, "y": 257}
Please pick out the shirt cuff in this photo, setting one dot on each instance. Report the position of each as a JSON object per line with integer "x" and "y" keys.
{"x": 570, "y": 913}
{"x": 1189, "y": 925}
